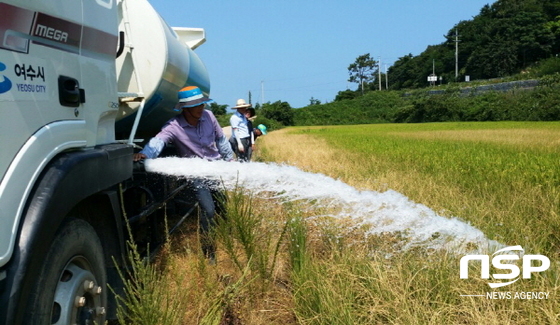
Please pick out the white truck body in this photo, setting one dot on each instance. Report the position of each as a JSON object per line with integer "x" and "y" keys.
{"x": 66, "y": 101}
{"x": 34, "y": 126}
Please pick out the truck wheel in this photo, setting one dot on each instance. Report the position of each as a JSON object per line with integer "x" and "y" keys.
{"x": 71, "y": 287}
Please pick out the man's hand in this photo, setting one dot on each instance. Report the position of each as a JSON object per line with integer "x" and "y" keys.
{"x": 139, "y": 156}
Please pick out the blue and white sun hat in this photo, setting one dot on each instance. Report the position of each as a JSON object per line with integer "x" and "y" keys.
{"x": 191, "y": 96}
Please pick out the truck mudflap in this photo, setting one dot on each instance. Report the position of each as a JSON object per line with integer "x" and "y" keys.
{"x": 69, "y": 179}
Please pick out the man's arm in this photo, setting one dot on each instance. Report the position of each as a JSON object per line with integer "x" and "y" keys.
{"x": 151, "y": 150}
{"x": 224, "y": 148}
{"x": 222, "y": 143}
{"x": 239, "y": 144}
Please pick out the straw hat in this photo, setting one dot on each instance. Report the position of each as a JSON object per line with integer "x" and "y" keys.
{"x": 241, "y": 104}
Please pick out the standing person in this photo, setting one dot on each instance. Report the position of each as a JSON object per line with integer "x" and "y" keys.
{"x": 195, "y": 132}
{"x": 240, "y": 136}
{"x": 249, "y": 114}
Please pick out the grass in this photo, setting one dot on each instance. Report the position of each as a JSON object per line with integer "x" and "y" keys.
{"x": 284, "y": 263}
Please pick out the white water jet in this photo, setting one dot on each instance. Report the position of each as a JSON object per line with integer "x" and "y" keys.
{"x": 387, "y": 211}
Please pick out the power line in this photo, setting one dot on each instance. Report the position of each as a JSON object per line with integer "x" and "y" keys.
{"x": 292, "y": 88}
{"x": 304, "y": 76}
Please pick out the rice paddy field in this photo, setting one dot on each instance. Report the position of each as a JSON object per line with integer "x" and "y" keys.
{"x": 303, "y": 241}
{"x": 502, "y": 177}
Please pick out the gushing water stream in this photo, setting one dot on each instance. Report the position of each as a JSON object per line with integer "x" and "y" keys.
{"x": 387, "y": 211}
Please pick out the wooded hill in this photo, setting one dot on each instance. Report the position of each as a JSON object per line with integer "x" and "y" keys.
{"x": 505, "y": 38}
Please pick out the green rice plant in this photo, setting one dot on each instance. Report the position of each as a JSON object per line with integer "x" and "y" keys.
{"x": 238, "y": 226}
{"x": 320, "y": 299}
{"x": 250, "y": 240}
{"x": 220, "y": 312}
{"x": 297, "y": 245}
{"x": 149, "y": 297}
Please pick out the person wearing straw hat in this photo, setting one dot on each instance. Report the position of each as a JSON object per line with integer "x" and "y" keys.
{"x": 240, "y": 134}
{"x": 195, "y": 132}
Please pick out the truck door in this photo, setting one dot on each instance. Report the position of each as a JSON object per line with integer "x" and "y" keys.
{"x": 39, "y": 45}
{"x": 98, "y": 80}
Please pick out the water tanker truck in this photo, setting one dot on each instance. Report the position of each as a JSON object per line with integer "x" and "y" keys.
{"x": 81, "y": 83}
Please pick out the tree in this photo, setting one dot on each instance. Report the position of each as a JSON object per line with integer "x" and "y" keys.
{"x": 554, "y": 27}
{"x": 516, "y": 36}
{"x": 279, "y": 111}
{"x": 218, "y": 109}
{"x": 314, "y": 101}
{"x": 403, "y": 72}
{"x": 362, "y": 70}
{"x": 345, "y": 95}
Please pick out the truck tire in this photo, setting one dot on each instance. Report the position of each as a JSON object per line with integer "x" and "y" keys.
{"x": 71, "y": 286}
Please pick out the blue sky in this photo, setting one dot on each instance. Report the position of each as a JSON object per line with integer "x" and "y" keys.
{"x": 294, "y": 50}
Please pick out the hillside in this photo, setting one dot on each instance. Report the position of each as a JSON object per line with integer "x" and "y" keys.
{"x": 504, "y": 39}
{"x": 450, "y": 103}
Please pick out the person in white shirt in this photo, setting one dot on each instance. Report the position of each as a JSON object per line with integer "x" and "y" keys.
{"x": 240, "y": 134}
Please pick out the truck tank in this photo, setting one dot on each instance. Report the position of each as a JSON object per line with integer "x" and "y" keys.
{"x": 154, "y": 61}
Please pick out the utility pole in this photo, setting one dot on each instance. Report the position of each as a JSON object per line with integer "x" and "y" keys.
{"x": 379, "y": 72}
{"x": 433, "y": 78}
{"x": 386, "y": 76}
{"x": 456, "y": 54}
